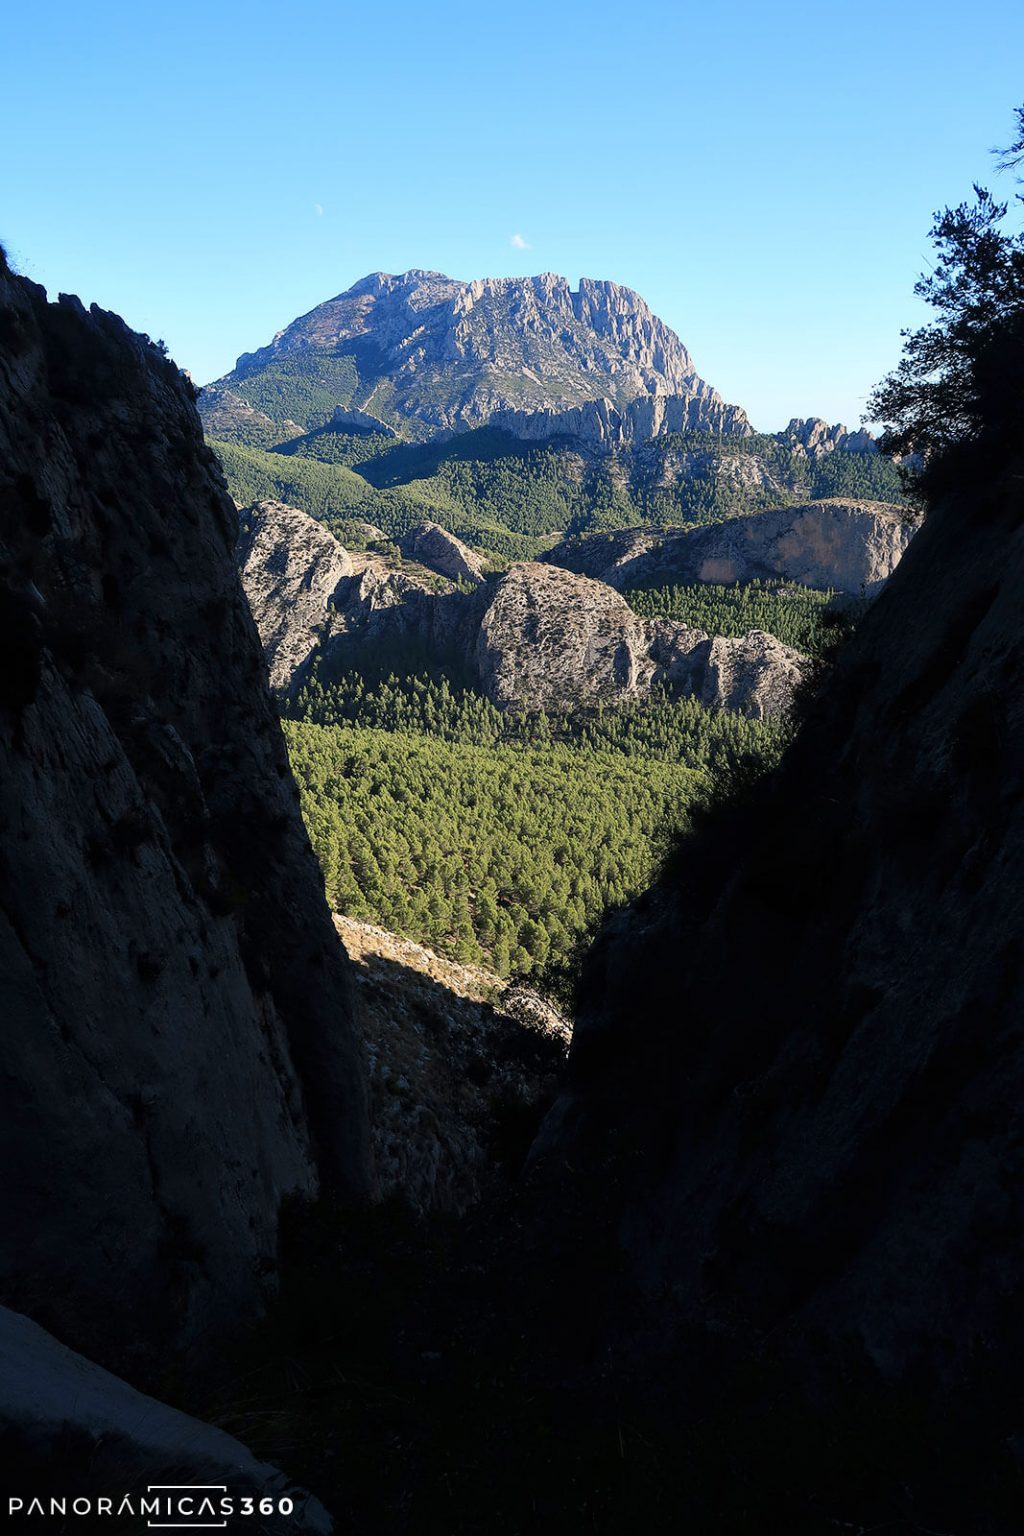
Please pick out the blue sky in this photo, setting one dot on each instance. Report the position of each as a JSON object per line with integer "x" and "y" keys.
{"x": 764, "y": 175}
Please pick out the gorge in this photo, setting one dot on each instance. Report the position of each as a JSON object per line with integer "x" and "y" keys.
{"x": 752, "y": 1253}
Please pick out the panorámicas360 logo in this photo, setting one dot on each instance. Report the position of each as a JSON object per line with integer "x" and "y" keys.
{"x": 164, "y": 1506}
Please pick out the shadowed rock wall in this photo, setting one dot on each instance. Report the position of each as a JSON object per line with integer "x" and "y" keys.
{"x": 178, "y": 1050}
{"x": 803, "y": 1054}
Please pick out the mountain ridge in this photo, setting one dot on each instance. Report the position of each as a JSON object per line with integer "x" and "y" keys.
{"x": 421, "y": 348}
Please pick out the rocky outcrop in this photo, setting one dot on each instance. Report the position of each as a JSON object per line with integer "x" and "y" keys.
{"x": 553, "y": 640}
{"x": 814, "y": 437}
{"x": 290, "y": 566}
{"x": 71, "y": 1429}
{"x": 851, "y": 547}
{"x": 178, "y": 1045}
{"x": 799, "y": 1061}
{"x": 426, "y": 353}
{"x": 550, "y": 639}
{"x": 601, "y": 427}
{"x": 537, "y": 638}
{"x": 360, "y": 421}
{"x": 441, "y": 551}
{"x": 753, "y": 675}
{"x": 461, "y": 1068}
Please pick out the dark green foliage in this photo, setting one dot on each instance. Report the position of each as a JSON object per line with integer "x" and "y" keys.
{"x": 337, "y": 495}
{"x": 502, "y": 854}
{"x": 447, "y": 708}
{"x": 511, "y": 500}
{"x": 527, "y": 488}
{"x": 811, "y": 622}
{"x": 960, "y": 384}
{"x": 863, "y": 476}
{"x": 304, "y": 387}
{"x": 498, "y": 838}
{"x": 334, "y": 445}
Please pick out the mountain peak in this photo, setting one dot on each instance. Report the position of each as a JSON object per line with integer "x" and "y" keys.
{"x": 425, "y": 352}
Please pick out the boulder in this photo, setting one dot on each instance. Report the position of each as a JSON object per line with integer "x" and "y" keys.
{"x": 552, "y": 640}
{"x": 441, "y": 551}
{"x": 290, "y": 566}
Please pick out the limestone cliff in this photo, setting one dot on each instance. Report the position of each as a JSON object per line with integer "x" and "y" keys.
{"x": 179, "y": 1053}
{"x": 601, "y": 426}
{"x": 553, "y": 640}
{"x": 848, "y": 546}
{"x": 538, "y": 637}
{"x": 290, "y": 569}
{"x": 815, "y": 438}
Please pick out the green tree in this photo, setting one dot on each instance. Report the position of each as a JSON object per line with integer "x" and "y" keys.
{"x": 959, "y": 383}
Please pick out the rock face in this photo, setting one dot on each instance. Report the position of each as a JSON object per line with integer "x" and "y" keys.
{"x": 810, "y": 1038}
{"x": 602, "y": 427}
{"x": 442, "y": 552}
{"x": 538, "y": 638}
{"x": 58, "y": 1410}
{"x": 461, "y": 1068}
{"x": 815, "y": 438}
{"x": 290, "y": 566}
{"x": 179, "y": 1051}
{"x": 423, "y": 350}
{"x": 753, "y": 675}
{"x": 552, "y": 640}
{"x": 848, "y": 546}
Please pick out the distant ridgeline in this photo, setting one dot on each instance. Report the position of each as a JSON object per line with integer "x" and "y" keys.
{"x": 508, "y": 411}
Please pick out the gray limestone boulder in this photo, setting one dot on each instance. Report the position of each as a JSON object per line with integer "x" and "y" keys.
{"x": 549, "y": 640}
{"x": 290, "y": 566}
{"x": 441, "y": 551}
{"x": 553, "y": 640}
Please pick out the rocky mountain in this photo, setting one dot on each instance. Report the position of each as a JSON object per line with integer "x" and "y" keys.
{"x": 179, "y": 1047}
{"x": 536, "y": 638}
{"x": 423, "y": 353}
{"x": 816, "y": 438}
{"x": 505, "y": 411}
{"x": 848, "y": 546}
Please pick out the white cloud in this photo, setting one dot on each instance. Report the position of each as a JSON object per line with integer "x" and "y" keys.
{"x": 318, "y": 209}
{"x": 520, "y": 242}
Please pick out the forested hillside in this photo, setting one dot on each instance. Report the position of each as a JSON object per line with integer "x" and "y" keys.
{"x": 810, "y": 621}
{"x": 509, "y": 499}
{"x": 492, "y": 837}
